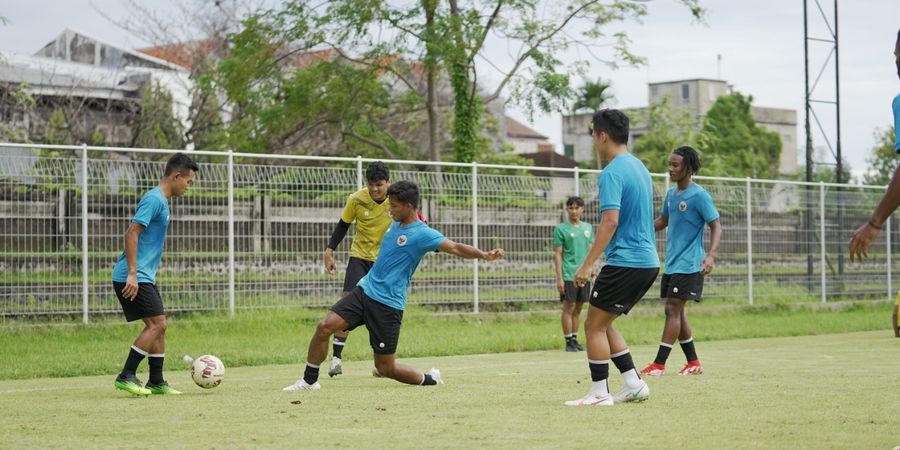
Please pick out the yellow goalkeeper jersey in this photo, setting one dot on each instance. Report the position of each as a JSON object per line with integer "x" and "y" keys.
{"x": 372, "y": 220}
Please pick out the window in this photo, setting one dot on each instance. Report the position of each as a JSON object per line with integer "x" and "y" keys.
{"x": 569, "y": 150}
{"x": 685, "y": 93}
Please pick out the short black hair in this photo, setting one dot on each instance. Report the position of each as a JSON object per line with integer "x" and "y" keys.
{"x": 690, "y": 156}
{"x": 406, "y": 192}
{"x": 575, "y": 200}
{"x": 612, "y": 122}
{"x": 377, "y": 171}
{"x": 181, "y": 163}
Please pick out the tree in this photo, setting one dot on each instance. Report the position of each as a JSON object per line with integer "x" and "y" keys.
{"x": 667, "y": 129}
{"x": 451, "y": 37}
{"x": 158, "y": 127}
{"x": 883, "y": 160}
{"x": 733, "y": 138}
{"x": 592, "y": 96}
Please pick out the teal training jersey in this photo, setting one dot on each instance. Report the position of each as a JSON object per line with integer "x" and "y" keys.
{"x": 153, "y": 213}
{"x": 688, "y": 212}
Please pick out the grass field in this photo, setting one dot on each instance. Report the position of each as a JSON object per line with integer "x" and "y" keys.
{"x": 828, "y": 391}
{"x": 280, "y": 336}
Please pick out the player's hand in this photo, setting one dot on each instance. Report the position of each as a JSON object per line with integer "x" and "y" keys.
{"x": 861, "y": 240}
{"x": 583, "y": 276}
{"x": 493, "y": 254}
{"x": 329, "y": 261}
{"x": 706, "y": 266}
{"x": 560, "y": 286}
{"x": 130, "y": 290}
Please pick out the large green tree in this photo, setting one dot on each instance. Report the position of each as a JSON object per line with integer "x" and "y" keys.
{"x": 733, "y": 138}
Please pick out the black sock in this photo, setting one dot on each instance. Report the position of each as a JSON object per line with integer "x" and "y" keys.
{"x": 156, "y": 368}
{"x": 569, "y": 339}
{"x": 623, "y": 361}
{"x": 574, "y": 337}
{"x": 688, "y": 347}
{"x": 663, "y": 353}
{"x": 338, "y": 346}
{"x": 599, "y": 370}
{"x": 428, "y": 380}
{"x": 311, "y": 374}
{"x": 135, "y": 356}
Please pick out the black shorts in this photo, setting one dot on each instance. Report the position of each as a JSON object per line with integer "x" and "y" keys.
{"x": 147, "y": 303}
{"x": 618, "y": 289}
{"x": 356, "y": 270}
{"x": 574, "y": 293}
{"x": 382, "y": 321}
{"x": 686, "y": 286}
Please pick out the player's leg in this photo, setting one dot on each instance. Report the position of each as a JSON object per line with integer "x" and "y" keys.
{"x": 634, "y": 388}
{"x": 576, "y": 319}
{"x": 156, "y": 359}
{"x": 387, "y": 367}
{"x": 686, "y": 338}
{"x": 595, "y": 327}
{"x": 894, "y": 315}
{"x": 135, "y": 309}
{"x": 894, "y": 321}
{"x": 567, "y": 309}
{"x": 338, "y": 341}
{"x": 671, "y": 330}
{"x": 346, "y": 314}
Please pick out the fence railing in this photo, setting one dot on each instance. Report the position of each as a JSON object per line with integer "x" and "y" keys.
{"x": 251, "y": 231}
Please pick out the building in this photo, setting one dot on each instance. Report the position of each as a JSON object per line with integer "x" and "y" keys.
{"x": 696, "y": 96}
{"x": 98, "y": 86}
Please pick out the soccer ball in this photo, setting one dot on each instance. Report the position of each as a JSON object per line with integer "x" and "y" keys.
{"x": 207, "y": 371}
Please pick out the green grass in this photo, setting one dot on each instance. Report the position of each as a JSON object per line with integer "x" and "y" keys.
{"x": 798, "y": 392}
{"x": 280, "y": 336}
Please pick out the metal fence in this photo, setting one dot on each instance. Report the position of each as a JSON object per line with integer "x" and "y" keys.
{"x": 251, "y": 231}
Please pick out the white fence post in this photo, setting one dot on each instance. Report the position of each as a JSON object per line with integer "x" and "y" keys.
{"x": 231, "y": 233}
{"x": 887, "y": 225}
{"x": 577, "y": 189}
{"x": 359, "y": 173}
{"x": 822, "y": 262}
{"x": 475, "y": 235}
{"x": 84, "y": 234}
{"x": 749, "y": 242}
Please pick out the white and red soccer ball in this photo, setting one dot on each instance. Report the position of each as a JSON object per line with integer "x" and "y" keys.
{"x": 207, "y": 371}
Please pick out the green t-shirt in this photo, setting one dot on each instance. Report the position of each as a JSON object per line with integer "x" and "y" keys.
{"x": 576, "y": 242}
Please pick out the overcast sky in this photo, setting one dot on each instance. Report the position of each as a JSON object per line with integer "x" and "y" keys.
{"x": 761, "y": 43}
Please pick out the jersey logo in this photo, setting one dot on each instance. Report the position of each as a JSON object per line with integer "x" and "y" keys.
{"x": 401, "y": 240}
{"x": 682, "y": 206}
{"x": 571, "y": 234}
{"x": 366, "y": 213}
{"x": 587, "y": 233}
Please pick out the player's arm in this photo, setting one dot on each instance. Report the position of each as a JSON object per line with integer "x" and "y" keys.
{"x": 660, "y": 223}
{"x": 131, "y": 238}
{"x": 715, "y": 235}
{"x": 468, "y": 252}
{"x": 609, "y": 221}
{"x": 557, "y": 260}
{"x": 337, "y": 235}
{"x": 865, "y": 234}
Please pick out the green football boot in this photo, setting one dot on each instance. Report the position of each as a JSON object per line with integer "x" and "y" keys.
{"x": 131, "y": 385}
{"x": 162, "y": 389}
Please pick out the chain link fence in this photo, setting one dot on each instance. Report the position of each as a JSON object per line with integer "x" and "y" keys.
{"x": 252, "y": 229}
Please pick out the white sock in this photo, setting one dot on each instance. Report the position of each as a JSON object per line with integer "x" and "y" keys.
{"x": 600, "y": 388}
{"x": 632, "y": 379}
